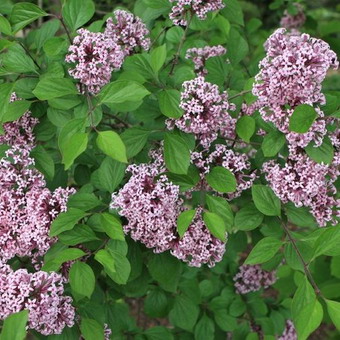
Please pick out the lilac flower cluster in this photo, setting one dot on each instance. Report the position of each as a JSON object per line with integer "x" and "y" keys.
{"x": 289, "y": 332}
{"x": 96, "y": 55}
{"x": 199, "y": 57}
{"x": 307, "y": 183}
{"x": 236, "y": 162}
{"x": 198, "y": 246}
{"x": 253, "y": 278}
{"x": 150, "y": 205}
{"x": 291, "y": 74}
{"x": 41, "y": 294}
{"x": 293, "y": 22}
{"x": 200, "y": 8}
{"x": 205, "y": 112}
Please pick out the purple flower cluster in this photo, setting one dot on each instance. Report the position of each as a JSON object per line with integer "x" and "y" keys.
{"x": 200, "y": 8}
{"x": 293, "y": 22}
{"x": 96, "y": 55}
{"x": 41, "y": 294}
{"x": 151, "y": 206}
{"x": 127, "y": 31}
{"x": 205, "y": 112}
{"x": 291, "y": 74}
{"x": 289, "y": 332}
{"x": 236, "y": 162}
{"x": 199, "y": 57}
{"x": 307, "y": 183}
{"x": 253, "y": 278}
{"x": 198, "y": 246}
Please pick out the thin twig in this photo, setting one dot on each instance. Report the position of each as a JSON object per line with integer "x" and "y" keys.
{"x": 29, "y": 54}
{"x": 65, "y": 28}
{"x": 158, "y": 36}
{"x": 118, "y": 119}
{"x": 176, "y": 57}
{"x": 239, "y": 94}
{"x": 304, "y": 264}
{"x": 241, "y": 141}
{"x": 91, "y": 109}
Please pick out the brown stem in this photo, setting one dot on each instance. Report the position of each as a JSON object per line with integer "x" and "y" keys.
{"x": 118, "y": 119}
{"x": 176, "y": 57}
{"x": 91, "y": 109}
{"x": 65, "y": 28}
{"x": 158, "y": 36}
{"x": 304, "y": 264}
{"x": 239, "y": 94}
{"x": 241, "y": 141}
{"x": 29, "y": 54}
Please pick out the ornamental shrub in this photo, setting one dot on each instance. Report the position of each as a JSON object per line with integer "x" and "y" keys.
{"x": 169, "y": 170}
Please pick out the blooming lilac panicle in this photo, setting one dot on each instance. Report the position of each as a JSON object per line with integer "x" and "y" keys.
{"x": 205, "y": 111}
{"x": 295, "y": 21}
{"x": 293, "y": 69}
{"x": 253, "y": 278}
{"x": 95, "y": 56}
{"x": 20, "y": 131}
{"x": 306, "y": 183}
{"x": 151, "y": 206}
{"x": 200, "y": 8}
{"x": 41, "y": 294}
{"x": 27, "y": 207}
{"x": 127, "y": 31}
{"x": 199, "y": 57}
{"x": 198, "y": 246}
{"x": 289, "y": 332}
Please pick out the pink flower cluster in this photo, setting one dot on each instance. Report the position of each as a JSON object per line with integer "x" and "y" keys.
{"x": 291, "y": 74}
{"x": 96, "y": 55}
{"x": 293, "y": 22}
{"x": 200, "y": 8}
{"x": 236, "y": 162}
{"x": 205, "y": 112}
{"x": 198, "y": 246}
{"x": 289, "y": 332}
{"x": 253, "y": 278}
{"x": 307, "y": 183}
{"x": 200, "y": 55}
{"x": 41, "y": 294}
{"x": 150, "y": 205}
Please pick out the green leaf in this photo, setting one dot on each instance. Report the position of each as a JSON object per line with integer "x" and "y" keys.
{"x": 216, "y": 225}
{"x": 321, "y": 154}
{"x": 15, "y": 110}
{"x": 166, "y": 270}
{"x": 221, "y": 179}
{"x": 272, "y": 143}
{"x": 328, "y": 242}
{"x": 121, "y": 91}
{"x": 158, "y": 332}
{"x": 265, "y": 200}
{"x": 184, "y": 220}
{"x": 43, "y": 161}
{"x": 45, "y": 32}
{"x": 156, "y": 303}
{"x": 121, "y": 264}
{"x": 264, "y": 250}
{"x": 76, "y": 145}
{"x": 176, "y": 154}
{"x": 112, "y": 145}
{"x": 302, "y": 118}
{"x": 333, "y": 308}
{"x": 5, "y": 26}
{"x": 14, "y": 326}
{"x": 79, "y": 234}
{"x": 78, "y": 12}
{"x": 24, "y": 13}
{"x": 205, "y": 329}
{"x": 237, "y": 47}
{"x": 248, "y": 218}
{"x": 233, "y": 12}
{"x": 112, "y": 226}
{"x": 66, "y": 221}
{"x": 157, "y": 57}
{"x": 221, "y": 207}
{"x": 49, "y": 88}
{"x": 82, "y": 279}
{"x": 184, "y": 313}
{"x": 83, "y": 201}
{"x": 134, "y": 140}
{"x": 107, "y": 261}
{"x": 6, "y": 90}
{"x": 300, "y": 216}
{"x": 65, "y": 255}
{"x": 91, "y": 329}
{"x": 245, "y": 127}
{"x": 169, "y": 101}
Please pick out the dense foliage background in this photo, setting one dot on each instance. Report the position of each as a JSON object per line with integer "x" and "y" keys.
{"x": 279, "y": 277}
